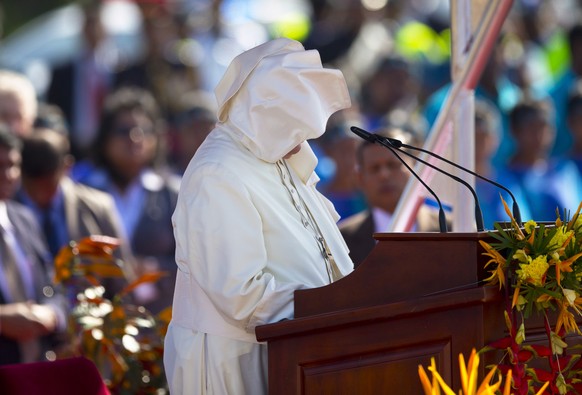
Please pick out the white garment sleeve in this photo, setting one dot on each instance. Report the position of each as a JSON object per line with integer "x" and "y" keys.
{"x": 220, "y": 242}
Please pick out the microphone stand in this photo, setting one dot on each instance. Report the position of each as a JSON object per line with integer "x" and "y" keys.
{"x": 398, "y": 144}
{"x": 478, "y": 213}
{"x": 442, "y": 218}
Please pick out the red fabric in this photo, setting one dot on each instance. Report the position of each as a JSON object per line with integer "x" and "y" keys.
{"x": 71, "y": 376}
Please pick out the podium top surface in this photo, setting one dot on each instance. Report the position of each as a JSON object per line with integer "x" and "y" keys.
{"x": 402, "y": 266}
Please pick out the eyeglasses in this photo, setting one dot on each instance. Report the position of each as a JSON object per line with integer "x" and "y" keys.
{"x": 134, "y": 133}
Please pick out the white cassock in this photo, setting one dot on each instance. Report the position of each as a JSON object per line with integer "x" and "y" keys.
{"x": 244, "y": 221}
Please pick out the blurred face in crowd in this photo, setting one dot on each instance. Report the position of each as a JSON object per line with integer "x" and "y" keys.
{"x": 343, "y": 153}
{"x": 382, "y": 177}
{"x": 388, "y": 88}
{"x": 132, "y": 144}
{"x": 190, "y": 137}
{"x": 14, "y": 115}
{"x": 42, "y": 189}
{"x": 534, "y": 135}
{"x": 10, "y": 160}
{"x": 93, "y": 30}
{"x": 486, "y": 143}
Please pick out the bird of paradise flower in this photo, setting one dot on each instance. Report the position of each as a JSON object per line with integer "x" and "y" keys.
{"x": 469, "y": 379}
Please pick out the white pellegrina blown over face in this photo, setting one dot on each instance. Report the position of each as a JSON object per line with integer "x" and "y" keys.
{"x": 277, "y": 95}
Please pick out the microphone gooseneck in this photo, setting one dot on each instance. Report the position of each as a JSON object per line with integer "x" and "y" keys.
{"x": 478, "y": 212}
{"x": 372, "y": 138}
{"x": 394, "y": 144}
{"x": 398, "y": 143}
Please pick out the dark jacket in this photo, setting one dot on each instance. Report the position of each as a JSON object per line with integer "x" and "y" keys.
{"x": 31, "y": 240}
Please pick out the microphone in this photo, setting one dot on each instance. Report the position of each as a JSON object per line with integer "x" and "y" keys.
{"x": 373, "y": 138}
{"x": 398, "y": 144}
{"x": 386, "y": 142}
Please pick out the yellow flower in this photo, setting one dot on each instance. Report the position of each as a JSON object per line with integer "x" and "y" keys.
{"x": 535, "y": 271}
{"x": 469, "y": 378}
{"x": 430, "y": 388}
{"x": 469, "y": 374}
{"x": 560, "y": 238}
{"x": 530, "y": 226}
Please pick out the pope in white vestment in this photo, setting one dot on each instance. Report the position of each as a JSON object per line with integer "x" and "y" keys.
{"x": 250, "y": 227}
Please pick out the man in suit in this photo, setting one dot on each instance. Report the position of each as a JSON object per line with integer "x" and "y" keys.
{"x": 32, "y": 311}
{"x": 80, "y": 85}
{"x": 67, "y": 210}
{"x": 382, "y": 178}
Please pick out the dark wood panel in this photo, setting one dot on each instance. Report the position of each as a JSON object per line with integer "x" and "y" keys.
{"x": 395, "y": 369}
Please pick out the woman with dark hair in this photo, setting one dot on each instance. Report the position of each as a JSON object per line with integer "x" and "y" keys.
{"x": 129, "y": 151}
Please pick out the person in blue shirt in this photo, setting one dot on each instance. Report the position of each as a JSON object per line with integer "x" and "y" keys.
{"x": 487, "y": 134}
{"x": 549, "y": 183}
{"x": 562, "y": 89}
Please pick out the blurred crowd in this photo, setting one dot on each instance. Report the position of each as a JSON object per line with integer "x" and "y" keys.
{"x": 102, "y": 150}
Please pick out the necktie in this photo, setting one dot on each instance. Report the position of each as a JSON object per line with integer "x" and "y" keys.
{"x": 50, "y": 232}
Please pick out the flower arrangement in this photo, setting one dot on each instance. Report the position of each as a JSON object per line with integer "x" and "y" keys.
{"x": 124, "y": 340}
{"x": 539, "y": 267}
{"x": 469, "y": 379}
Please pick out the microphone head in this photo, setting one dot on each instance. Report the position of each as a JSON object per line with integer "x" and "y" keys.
{"x": 394, "y": 142}
{"x": 372, "y": 138}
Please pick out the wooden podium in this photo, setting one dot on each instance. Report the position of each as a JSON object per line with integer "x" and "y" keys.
{"x": 416, "y": 296}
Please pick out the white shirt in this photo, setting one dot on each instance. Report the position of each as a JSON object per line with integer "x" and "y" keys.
{"x": 383, "y": 219}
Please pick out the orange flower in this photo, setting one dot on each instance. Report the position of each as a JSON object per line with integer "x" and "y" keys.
{"x": 91, "y": 257}
{"x": 572, "y": 223}
{"x": 468, "y": 379}
{"x": 498, "y": 274}
{"x": 565, "y": 266}
{"x": 566, "y": 319}
{"x": 518, "y": 233}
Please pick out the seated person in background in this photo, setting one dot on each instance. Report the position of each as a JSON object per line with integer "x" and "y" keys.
{"x": 195, "y": 120}
{"x": 32, "y": 311}
{"x": 65, "y": 209}
{"x": 487, "y": 133}
{"x": 548, "y": 183}
{"x": 382, "y": 178}
{"x": 337, "y": 162}
{"x": 130, "y": 158}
